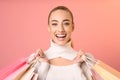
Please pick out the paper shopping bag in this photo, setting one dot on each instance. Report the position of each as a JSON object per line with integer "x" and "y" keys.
{"x": 106, "y": 72}
{"x": 25, "y": 72}
{"x": 31, "y": 73}
{"x": 35, "y": 77}
{"x": 95, "y": 75}
{"x": 16, "y": 75}
{"x": 5, "y": 72}
{"x": 99, "y": 70}
{"x": 28, "y": 74}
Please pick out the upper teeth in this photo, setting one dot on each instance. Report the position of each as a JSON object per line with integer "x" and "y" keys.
{"x": 59, "y": 35}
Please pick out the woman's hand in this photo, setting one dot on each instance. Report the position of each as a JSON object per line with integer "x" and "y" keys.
{"x": 38, "y": 55}
{"x": 41, "y": 56}
{"x": 80, "y": 57}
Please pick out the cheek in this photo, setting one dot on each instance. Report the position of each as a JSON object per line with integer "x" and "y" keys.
{"x": 69, "y": 34}
{"x": 69, "y": 31}
{"x": 52, "y": 32}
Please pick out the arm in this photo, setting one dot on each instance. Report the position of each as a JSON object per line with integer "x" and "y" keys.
{"x": 85, "y": 58}
{"x": 38, "y": 55}
{"x": 42, "y": 64}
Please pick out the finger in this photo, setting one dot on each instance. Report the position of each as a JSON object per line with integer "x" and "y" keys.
{"x": 77, "y": 60}
{"x": 40, "y": 53}
{"x": 80, "y": 53}
{"x": 37, "y": 52}
{"x": 84, "y": 58}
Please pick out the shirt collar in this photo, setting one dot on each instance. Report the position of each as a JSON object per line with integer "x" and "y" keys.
{"x": 68, "y": 44}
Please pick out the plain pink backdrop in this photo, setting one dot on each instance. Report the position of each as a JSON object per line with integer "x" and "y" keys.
{"x": 23, "y": 28}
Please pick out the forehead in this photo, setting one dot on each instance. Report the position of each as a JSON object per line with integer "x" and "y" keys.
{"x": 60, "y": 14}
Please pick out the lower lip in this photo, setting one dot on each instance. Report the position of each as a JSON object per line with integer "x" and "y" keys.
{"x": 61, "y": 39}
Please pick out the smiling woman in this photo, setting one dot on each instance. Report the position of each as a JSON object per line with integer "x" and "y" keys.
{"x": 63, "y": 62}
{"x": 60, "y": 25}
{"x": 60, "y": 61}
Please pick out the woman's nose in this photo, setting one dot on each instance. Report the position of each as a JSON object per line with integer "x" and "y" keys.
{"x": 61, "y": 28}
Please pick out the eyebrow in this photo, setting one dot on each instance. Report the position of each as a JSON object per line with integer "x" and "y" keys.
{"x": 57, "y": 20}
{"x": 54, "y": 21}
{"x": 66, "y": 20}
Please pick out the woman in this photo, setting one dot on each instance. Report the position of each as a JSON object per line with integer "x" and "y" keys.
{"x": 61, "y": 61}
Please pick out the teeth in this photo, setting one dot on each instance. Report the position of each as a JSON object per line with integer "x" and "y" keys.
{"x": 60, "y": 35}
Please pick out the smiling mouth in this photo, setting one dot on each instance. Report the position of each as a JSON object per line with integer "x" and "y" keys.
{"x": 60, "y": 35}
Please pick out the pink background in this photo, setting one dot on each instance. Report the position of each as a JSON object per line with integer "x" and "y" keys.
{"x": 23, "y": 28}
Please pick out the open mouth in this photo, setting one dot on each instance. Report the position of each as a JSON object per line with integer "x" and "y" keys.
{"x": 61, "y": 36}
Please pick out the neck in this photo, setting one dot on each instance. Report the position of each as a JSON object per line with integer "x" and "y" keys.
{"x": 68, "y": 44}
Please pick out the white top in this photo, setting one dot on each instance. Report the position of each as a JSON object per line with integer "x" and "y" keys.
{"x": 70, "y": 72}
{"x": 65, "y": 51}
{"x": 47, "y": 71}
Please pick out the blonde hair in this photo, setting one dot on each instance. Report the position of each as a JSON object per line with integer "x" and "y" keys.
{"x": 60, "y": 8}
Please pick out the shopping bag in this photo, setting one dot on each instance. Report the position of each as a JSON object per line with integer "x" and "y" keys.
{"x": 95, "y": 75}
{"x": 106, "y": 72}
{"x": 32, "y": 72}
{"x": 90, "y": 62}
{"x": 11, "y": 68}
{"x": 25, "y": 72}
{"x": 101, "y": 71}
{"x": 16, "y": 75}
{"x": 35, "y": 77}
{"x": 28, "y": 74}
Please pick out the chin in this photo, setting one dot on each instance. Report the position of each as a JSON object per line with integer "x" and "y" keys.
{"x": 61, "y": 43}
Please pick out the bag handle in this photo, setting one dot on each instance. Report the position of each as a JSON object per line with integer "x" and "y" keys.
{"x": 86, "y": 59}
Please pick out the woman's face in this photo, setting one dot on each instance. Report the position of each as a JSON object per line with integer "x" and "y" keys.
{"x": 60, "y": 26}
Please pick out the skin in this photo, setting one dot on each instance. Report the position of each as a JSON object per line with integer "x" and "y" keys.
{"x": 60, "y": 28}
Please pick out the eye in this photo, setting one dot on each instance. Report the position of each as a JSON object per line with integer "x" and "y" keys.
{"x": 66, "y": 23}
{"x": 54, "y": 24}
